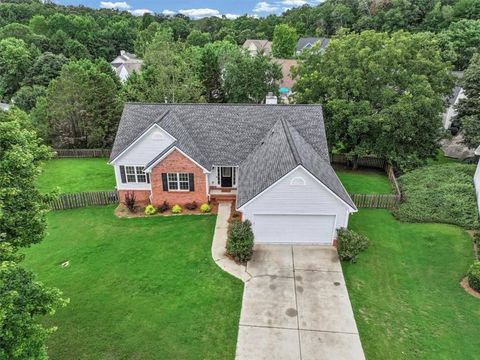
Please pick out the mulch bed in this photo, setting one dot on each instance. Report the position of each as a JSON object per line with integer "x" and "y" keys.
{"x": 122, "y": 212}
{"x": 468, "y": 289}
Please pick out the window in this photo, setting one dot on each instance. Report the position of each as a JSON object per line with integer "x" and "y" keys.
{"x": 297, "y": 181}
{"x": 178, "y": 181}
{"x": 135, "y": 174}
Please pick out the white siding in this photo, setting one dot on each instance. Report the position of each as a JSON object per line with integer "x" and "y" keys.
{"x": 311, "y": 198}
{"x": 152, "y": 143}
{"x": 451, "y": 112}
{"x": 476, "y": 181}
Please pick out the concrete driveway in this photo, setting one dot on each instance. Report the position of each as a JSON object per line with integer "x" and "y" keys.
{"x": 296, "y": 306}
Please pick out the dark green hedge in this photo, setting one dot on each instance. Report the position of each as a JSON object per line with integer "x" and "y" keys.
{"x": 442, "y": 193}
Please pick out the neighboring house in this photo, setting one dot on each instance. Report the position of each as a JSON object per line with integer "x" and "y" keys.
{"x": 4, "y": 107}
{"x": 287, "y": 81}
{"x": 476, "y": 179}
{"x": 452, "y": 102}
{"x": 271, "y": 159}
{"x": 255, "y": 47}
{"x": 307, "y": 43}
{"x": 125, "y": 64}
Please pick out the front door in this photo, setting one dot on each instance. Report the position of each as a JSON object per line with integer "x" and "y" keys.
{"x": 226, "y": 177}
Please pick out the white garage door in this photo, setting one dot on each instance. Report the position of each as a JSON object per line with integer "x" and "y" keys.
{"x": 290, "y": 229}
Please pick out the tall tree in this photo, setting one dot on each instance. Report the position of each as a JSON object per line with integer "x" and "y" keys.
{"x": 469, "y": 107}
{"x": 15, "y": 60}
{"x": 23, "y": 300}
{"x": 464, "y": 37}
{"x": 169, "y": 73}
{"x": 248, "y": 79}
{"x": 45, "y": 68}
{"x": 382, "y": 93}
{"x": 83, "y": 106}
{"x": 284, "y": 40}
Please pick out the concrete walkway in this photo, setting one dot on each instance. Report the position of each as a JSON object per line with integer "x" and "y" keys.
{"x": 296, "y": 307}
{"x": 220, "y": 241}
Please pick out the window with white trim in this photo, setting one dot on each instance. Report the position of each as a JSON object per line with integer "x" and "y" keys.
{"x": 178, "y": 181}
{"x": 135, "y": 174}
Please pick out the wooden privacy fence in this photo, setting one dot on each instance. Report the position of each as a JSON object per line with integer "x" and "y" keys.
{"x": 364, "y": 161}
{"x": 82, "y": 153}
{"x": 83, "y": 199}
{"x": 376, "y": 201}
{"x": 379, "y": 201}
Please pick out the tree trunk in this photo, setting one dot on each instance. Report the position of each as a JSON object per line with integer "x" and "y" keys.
{"x": 355, "y": 162}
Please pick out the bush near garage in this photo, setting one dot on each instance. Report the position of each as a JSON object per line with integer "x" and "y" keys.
{"x": 350, "y": 244}
{"x": 240, "y": 240}
{"x": 441, "y": 193}
{"x": 473, "y": 276}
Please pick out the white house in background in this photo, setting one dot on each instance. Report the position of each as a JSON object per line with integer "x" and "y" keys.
{"x": 452, "y": 101}
{"x": 4, "y": 107}
{"x": 476, "y": 179}
{"x": 255, "y": 46}
{"x": 270, "y": 160}
{"x": 125, "y": 64}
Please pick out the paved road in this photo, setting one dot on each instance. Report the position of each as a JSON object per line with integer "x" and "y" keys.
{"x": 296, "y": 307}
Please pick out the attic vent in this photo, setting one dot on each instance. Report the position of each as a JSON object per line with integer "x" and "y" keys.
{"x": 297, "y": 181}
{"x": 157, "y": 136}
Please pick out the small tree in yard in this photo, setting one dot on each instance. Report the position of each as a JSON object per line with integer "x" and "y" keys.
{"x": 350, "y": 244}
{"x": 240, "y": 240}
{"x": 130, "y": 201}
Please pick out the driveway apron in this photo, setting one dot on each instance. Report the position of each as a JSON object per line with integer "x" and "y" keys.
{"x": 296, "y": 307}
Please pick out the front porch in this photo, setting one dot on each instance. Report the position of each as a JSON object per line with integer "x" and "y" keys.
{"x": 223, "y": 183}
{"x": 222, "y": 194}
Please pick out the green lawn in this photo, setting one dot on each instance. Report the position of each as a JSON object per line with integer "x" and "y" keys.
{"x": 365, "y": 181}
{"x": 405, "y": 290}
{"x": 76, "y": 175}
{"x": 143, "y": 288}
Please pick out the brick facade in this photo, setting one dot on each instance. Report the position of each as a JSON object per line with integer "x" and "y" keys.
{"x": 177, "y": 162}
{"x": 141, "y": 196}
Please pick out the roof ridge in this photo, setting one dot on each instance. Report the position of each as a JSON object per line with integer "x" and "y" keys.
{"x": 291, "y": 142}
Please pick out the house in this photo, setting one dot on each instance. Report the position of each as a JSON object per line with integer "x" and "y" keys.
{"x": 125, "y": 64}
{"x": 4, "y": 107}
{"x": 255, "y": 47}
{"x": 452, "y": 101}
{"x": 476, "y": 179}
{"x": 272, "y": 160}
{"x": 307, "y": 43}
{"x": 287, "y": 81}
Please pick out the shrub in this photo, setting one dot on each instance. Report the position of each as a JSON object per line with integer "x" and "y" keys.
{"x": 176, "y": 209}
{"x": 150, "y": 210}
{"x": 240, "y": 240}
{"x": 442, "y": 193}
{"x": 205, "y": 208}
{"x": 473, "y": 276}
{"x": 164, "y": 207}
{"x": 191, "y": 206}
{"x": 350, "y": 244}
{"x": 130, "y": 201}
{"x": 236, "y": 214}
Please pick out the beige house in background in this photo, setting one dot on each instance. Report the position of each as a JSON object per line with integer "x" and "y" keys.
{"x": 125, "y": 64}
{"x": 255, "y": 47}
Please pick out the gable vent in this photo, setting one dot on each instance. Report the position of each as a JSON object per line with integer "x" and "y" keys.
{"x": 157, "y": 136}
{"x": 297, "y": 181}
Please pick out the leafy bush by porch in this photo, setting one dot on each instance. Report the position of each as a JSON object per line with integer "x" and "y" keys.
{"x": 442, "y": 193}
{"x": 240, "y": 240}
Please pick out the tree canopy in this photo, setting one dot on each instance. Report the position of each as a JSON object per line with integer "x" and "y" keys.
{"x": 382, "y": 94}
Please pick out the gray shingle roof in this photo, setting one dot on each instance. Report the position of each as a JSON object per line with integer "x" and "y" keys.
{"x": 223, "y": 134}
{"x": 274, "y": 137}
{"x": 302, "y": 42}
{"x": 281, "y": 151}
